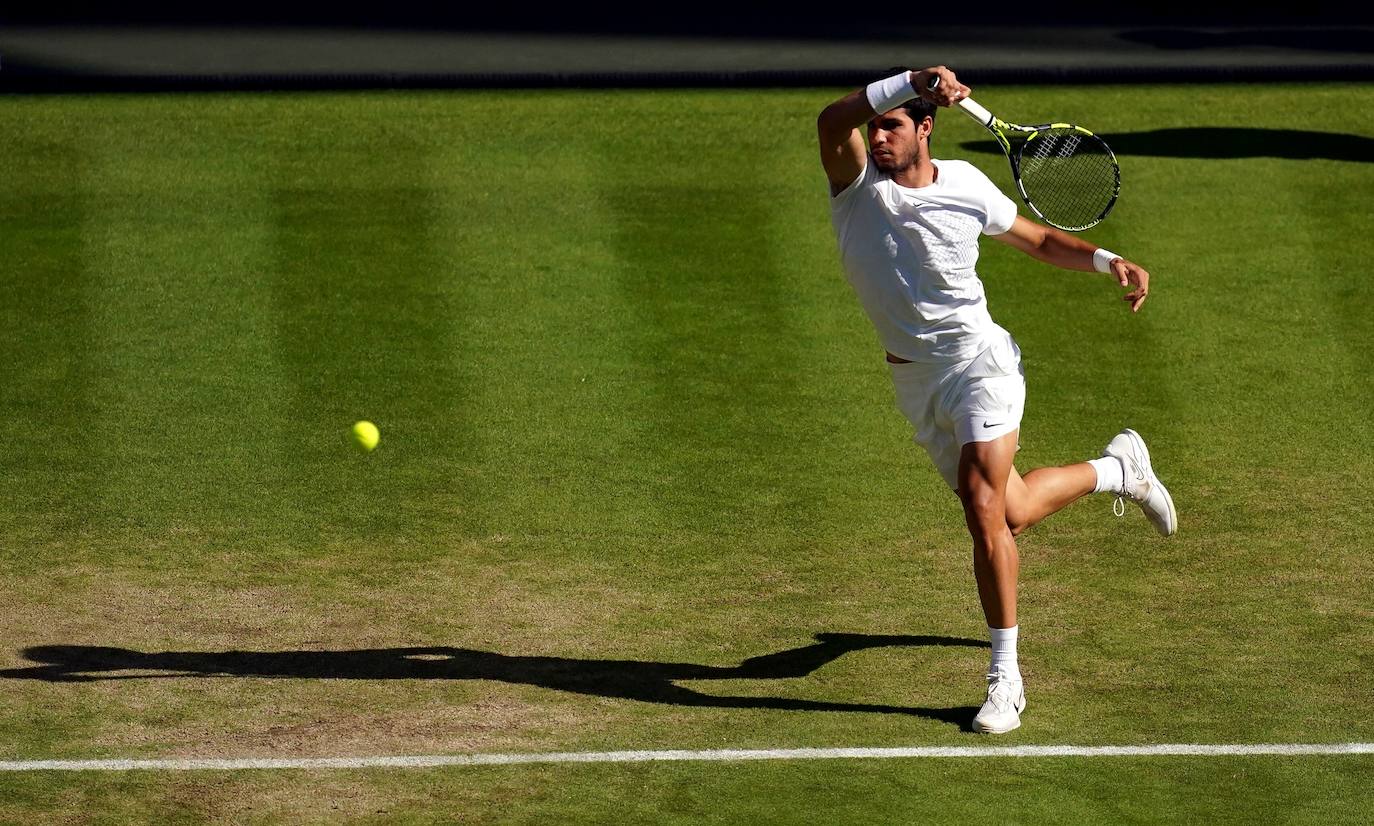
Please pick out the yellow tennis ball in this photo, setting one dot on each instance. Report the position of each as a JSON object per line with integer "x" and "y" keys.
{"x": 365, "y": 433}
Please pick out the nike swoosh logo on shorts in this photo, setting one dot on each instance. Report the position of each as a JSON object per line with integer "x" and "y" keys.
{"x": 998, "y": 424}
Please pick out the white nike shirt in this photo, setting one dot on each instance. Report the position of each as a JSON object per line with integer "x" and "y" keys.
{"x": 911, "y": 252}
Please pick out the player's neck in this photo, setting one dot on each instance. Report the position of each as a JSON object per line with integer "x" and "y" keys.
{"x": 919, "y": 174}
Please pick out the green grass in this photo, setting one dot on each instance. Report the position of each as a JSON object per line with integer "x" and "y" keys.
{"x": 630, "y": 411}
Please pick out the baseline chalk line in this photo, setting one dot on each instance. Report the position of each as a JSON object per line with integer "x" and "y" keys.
{"x": 443, "y": 760}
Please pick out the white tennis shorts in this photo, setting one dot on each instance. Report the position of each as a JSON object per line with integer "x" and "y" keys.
{"x": 951, "y": 405}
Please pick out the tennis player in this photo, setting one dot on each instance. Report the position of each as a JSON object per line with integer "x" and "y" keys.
{"x": 908, "y": 227}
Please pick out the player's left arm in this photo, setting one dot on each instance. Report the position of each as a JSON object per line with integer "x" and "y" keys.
{"x": 1067, "y": 252}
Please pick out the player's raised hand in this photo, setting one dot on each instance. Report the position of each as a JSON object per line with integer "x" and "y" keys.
{"x": 946, "y": 93}
{"x": 1130, "y": 274}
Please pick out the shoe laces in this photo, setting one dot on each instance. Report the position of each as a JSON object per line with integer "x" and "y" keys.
{"x": 1119, "y": 506}
{"x": 1001, "y": 691}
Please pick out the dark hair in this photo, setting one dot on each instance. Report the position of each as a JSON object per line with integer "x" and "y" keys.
{"x": 919, "y": 109}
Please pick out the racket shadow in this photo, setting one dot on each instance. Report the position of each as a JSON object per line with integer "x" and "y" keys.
{"x": 1227, "y": 142}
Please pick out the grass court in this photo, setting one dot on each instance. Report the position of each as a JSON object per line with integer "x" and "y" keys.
{"x": 635, "y": 432}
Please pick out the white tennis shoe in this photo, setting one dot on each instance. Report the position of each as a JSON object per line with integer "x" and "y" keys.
{"x": 1142, "y": 486}
{"x": 1002, "y": 711}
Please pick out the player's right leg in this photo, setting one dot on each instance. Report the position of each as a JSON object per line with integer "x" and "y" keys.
{"x": 982, "y": 490}
{"x": 983, "y": 470}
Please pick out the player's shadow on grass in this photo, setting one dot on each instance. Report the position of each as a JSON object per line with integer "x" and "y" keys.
{"x": 1221, "y": 142}
{"x": 651, "y": 682}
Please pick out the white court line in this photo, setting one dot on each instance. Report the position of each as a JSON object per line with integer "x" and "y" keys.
{"x": 440, "y": 760}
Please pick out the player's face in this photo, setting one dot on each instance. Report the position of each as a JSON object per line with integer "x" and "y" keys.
{"x": 893, "y": 140}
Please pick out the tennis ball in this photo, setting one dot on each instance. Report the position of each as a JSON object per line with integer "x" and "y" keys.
{"x": 365, "y": 433}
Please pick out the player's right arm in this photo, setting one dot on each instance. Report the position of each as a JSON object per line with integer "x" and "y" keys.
{"x": 843, "y": 153}
{"x": 842, "y": 145}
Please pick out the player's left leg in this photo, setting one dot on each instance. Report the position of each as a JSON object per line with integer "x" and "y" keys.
{"x": 1044, "y": 491}
{"x": 1123, "y": 470}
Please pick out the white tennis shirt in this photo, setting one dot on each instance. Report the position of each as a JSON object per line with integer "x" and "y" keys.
{"x": 911, "y": 252}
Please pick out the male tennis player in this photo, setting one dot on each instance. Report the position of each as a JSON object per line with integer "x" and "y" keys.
{"x": 908, "y": 227}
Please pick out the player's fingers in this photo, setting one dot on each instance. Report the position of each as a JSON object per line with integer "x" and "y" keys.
{"x": 950, "y": 90}
{"x": 951, "y": 83}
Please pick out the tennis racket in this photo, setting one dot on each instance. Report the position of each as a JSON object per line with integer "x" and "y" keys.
{"x": 1067, "y": 175}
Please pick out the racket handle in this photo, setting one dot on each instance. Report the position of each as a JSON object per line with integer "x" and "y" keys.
{"x": 975, "y": 111}
{"x": 970, "y": 108}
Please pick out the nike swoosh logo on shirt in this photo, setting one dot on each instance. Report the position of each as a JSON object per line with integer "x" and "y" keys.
{"x": 998, "y": 424}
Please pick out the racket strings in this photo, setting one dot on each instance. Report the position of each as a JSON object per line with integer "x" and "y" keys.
{"x": 1070, "y": 177}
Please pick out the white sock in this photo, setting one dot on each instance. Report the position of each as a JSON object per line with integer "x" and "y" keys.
{"x": 1111, "y": 476}
{"x": 1004, "y": 651}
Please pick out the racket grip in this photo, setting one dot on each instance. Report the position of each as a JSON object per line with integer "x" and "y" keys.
{"x": 975, "y": 111}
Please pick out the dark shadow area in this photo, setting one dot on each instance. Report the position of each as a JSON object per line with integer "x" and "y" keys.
{"x": 1317, "y": 40}
{"x": 766, "y": 18}
{"x": 650, "y": 682}
{"x": 1227, "y": 142}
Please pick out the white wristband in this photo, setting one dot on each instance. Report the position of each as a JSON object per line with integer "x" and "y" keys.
{"x": 889, "y": 93}
{"x": 1103, "y": 258}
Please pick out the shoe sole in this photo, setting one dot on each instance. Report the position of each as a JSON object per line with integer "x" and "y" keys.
{"x": 982, "y": 730}
{"x": 1154, "y": 480}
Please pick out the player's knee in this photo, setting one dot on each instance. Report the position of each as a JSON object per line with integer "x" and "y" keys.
{"x": 981, "y": 500}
